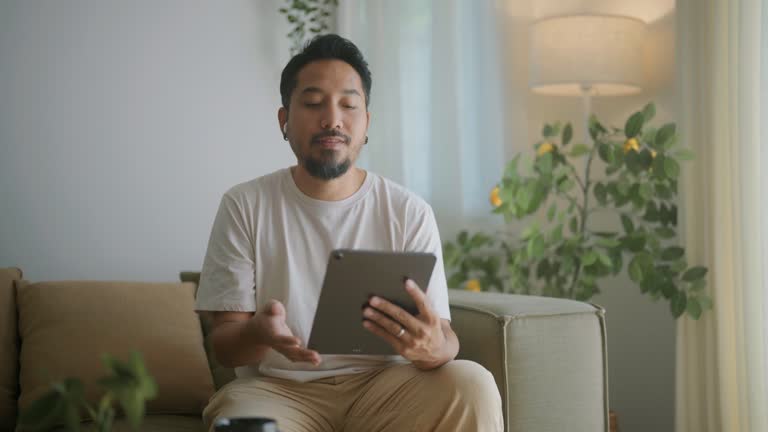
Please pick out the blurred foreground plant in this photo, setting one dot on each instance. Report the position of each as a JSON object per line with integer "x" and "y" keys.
{"x": 128, "y": 384}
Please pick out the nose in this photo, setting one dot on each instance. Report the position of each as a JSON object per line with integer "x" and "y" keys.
{"x": 331, "y": 118}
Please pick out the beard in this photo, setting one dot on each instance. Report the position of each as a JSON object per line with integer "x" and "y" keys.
{"x": 325, "y": 167}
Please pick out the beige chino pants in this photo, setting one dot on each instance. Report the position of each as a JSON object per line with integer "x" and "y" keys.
{"x": 459, "y": 396}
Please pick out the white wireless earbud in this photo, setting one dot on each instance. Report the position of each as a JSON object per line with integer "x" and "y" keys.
{"x": 285, "y": 128}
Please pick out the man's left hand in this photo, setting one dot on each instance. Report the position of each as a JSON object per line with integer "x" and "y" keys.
{"x": 425, "y": 339}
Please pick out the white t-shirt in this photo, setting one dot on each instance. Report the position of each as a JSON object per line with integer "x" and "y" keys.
{"x": 271, "y": 241}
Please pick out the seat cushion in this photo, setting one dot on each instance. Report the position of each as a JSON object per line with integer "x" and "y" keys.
{"x": 65, "y": 327}
{"x": 9, "y": 348}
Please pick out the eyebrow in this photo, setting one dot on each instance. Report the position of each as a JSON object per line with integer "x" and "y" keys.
{"x": 318, "y": 90}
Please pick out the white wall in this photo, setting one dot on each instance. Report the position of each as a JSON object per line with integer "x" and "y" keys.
{"x": 123, "y": 122}
{"x": 641, "y": 334}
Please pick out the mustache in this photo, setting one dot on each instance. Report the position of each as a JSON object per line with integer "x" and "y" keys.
{"x": 331, "y": 134}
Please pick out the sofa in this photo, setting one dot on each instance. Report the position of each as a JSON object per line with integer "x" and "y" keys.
{"x": 548, "y": 355}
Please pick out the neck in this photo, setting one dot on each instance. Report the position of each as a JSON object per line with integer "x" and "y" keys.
{"x": 328, "y": 190}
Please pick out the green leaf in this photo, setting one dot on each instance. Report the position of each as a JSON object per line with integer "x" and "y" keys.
{"x": 567, "y": 134}
{"x": 635, "y": 242}
{"x": 646, "y": 191}
{"x": 663, "y": 191}
{"x": 544, "y": 163}
{"x": 626, "y": 222}
{"x": 679, "y": 304}
{"x": 511, "y": 168}
{"x": 633, "y": 161}
{"x": 636, "y": 269}
{"x": 595, "y": 128}
{"x": 479, "y": 240}
{"x": 693, "y": 308}
{"x": 565, "y": 185}
{"x": 605, "y": 151}
{"x": 668, "y": 289}
{"x": 589, "y": 258}
{"x": 608, "y": 242}
{"x": 605, "y": 260}
{"x": 600, "y": 193}
{"x": 634, "y": 125}
{"x": 695, "y": 273}
{"x": 648, "y": 112}
{"x": 665, "y": 232}
{"x": 665, "y": 136}
{"x": 705, "y": 301}
{"x": 523, "y": 197}
{"x": 579, "y": 150}
{"x": 557, "y": 233}
{"x": 684, "y": 154}
{"x": 536, "y": 247}
{"x": 551, "y": 212}
{"x": 671, "y": 168}
{"x": 698, "y": 285}
{"x": 548, "y": 131}
{"x": 574, "y": 225}
{"x": 462, "y": 238}
{"x": 651, "y": 212}
{"x": 672, "y": 253}
{"x": 43, "y": 412}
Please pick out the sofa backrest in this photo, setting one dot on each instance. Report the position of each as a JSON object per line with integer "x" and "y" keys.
{"x": 221, "y": 375}
{"x": 66, "y": 326}
{"x": 9, "y": 348}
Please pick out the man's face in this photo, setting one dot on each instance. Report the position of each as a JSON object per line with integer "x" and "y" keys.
{"x": 327, "y": 120}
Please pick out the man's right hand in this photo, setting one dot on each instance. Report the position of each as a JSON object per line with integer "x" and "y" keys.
{"x": 269, "y": 328}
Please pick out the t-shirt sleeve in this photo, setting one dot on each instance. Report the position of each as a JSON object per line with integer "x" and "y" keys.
{"x": 227, "y": 278}
{"x": 423, "y": 236}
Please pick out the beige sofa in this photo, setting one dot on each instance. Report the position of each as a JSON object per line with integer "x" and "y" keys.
{"x": 548, "y": 355}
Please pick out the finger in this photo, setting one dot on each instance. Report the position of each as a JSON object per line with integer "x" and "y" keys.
{"x": 374, "y": 328}
{"x": 385, "y": 322}
{"x": 397, "y": 313}
{"x": 420, "y": 298}
{"x": 286, "y": 340}
{"x": 295, "y": 353}
{"x": 274, "y": 308}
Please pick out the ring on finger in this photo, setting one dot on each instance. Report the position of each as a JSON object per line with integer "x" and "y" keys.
{"x": 401, "y": 332}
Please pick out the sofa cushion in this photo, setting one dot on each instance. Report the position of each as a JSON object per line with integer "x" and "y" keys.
{"x": 9, "y": 348}
{"x": 66, "y": 326}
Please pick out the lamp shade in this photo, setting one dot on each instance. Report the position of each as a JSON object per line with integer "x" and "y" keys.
{"x": 599, "y": 53}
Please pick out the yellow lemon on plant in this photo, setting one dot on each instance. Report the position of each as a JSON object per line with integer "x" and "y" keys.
{"x": 631, "y": 144}
{"x": 653, "y": 154}
{"x": 544, "y": 148}
{"x": 472, "y": 285}
{"x": 495, "y": 200}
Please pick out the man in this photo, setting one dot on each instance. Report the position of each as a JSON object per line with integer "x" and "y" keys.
{"x": 265, "y": 263}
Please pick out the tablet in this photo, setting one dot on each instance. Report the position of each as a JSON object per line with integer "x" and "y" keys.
{"x": 351, "y": 278}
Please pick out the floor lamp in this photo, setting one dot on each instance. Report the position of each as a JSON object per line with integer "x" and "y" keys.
{"x": 587, "y": 55}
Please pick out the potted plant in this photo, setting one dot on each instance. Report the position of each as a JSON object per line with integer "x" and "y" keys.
{"x": 562, "y": 253}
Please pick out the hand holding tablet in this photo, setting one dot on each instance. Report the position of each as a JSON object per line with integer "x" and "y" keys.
{"x": 356, "y": 280}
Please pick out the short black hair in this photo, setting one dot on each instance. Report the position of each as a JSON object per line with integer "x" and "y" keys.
{"x": 325, "y": 47}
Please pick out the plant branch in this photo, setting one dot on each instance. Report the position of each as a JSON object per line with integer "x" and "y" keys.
{"x": 584, "y": 215}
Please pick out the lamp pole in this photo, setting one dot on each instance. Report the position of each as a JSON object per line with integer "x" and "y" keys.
{"x": 586, "y": 102}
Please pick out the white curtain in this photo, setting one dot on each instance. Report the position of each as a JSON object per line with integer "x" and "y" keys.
{"x": 436, "y": 117}
{"x": 723, "y": 78}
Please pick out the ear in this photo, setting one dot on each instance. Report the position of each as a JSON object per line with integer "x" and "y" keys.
{"x": 282, "y": 119}
{"x": 367, "y": 120}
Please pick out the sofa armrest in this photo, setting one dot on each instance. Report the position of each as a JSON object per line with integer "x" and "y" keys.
{"x": 548, "y": 357}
